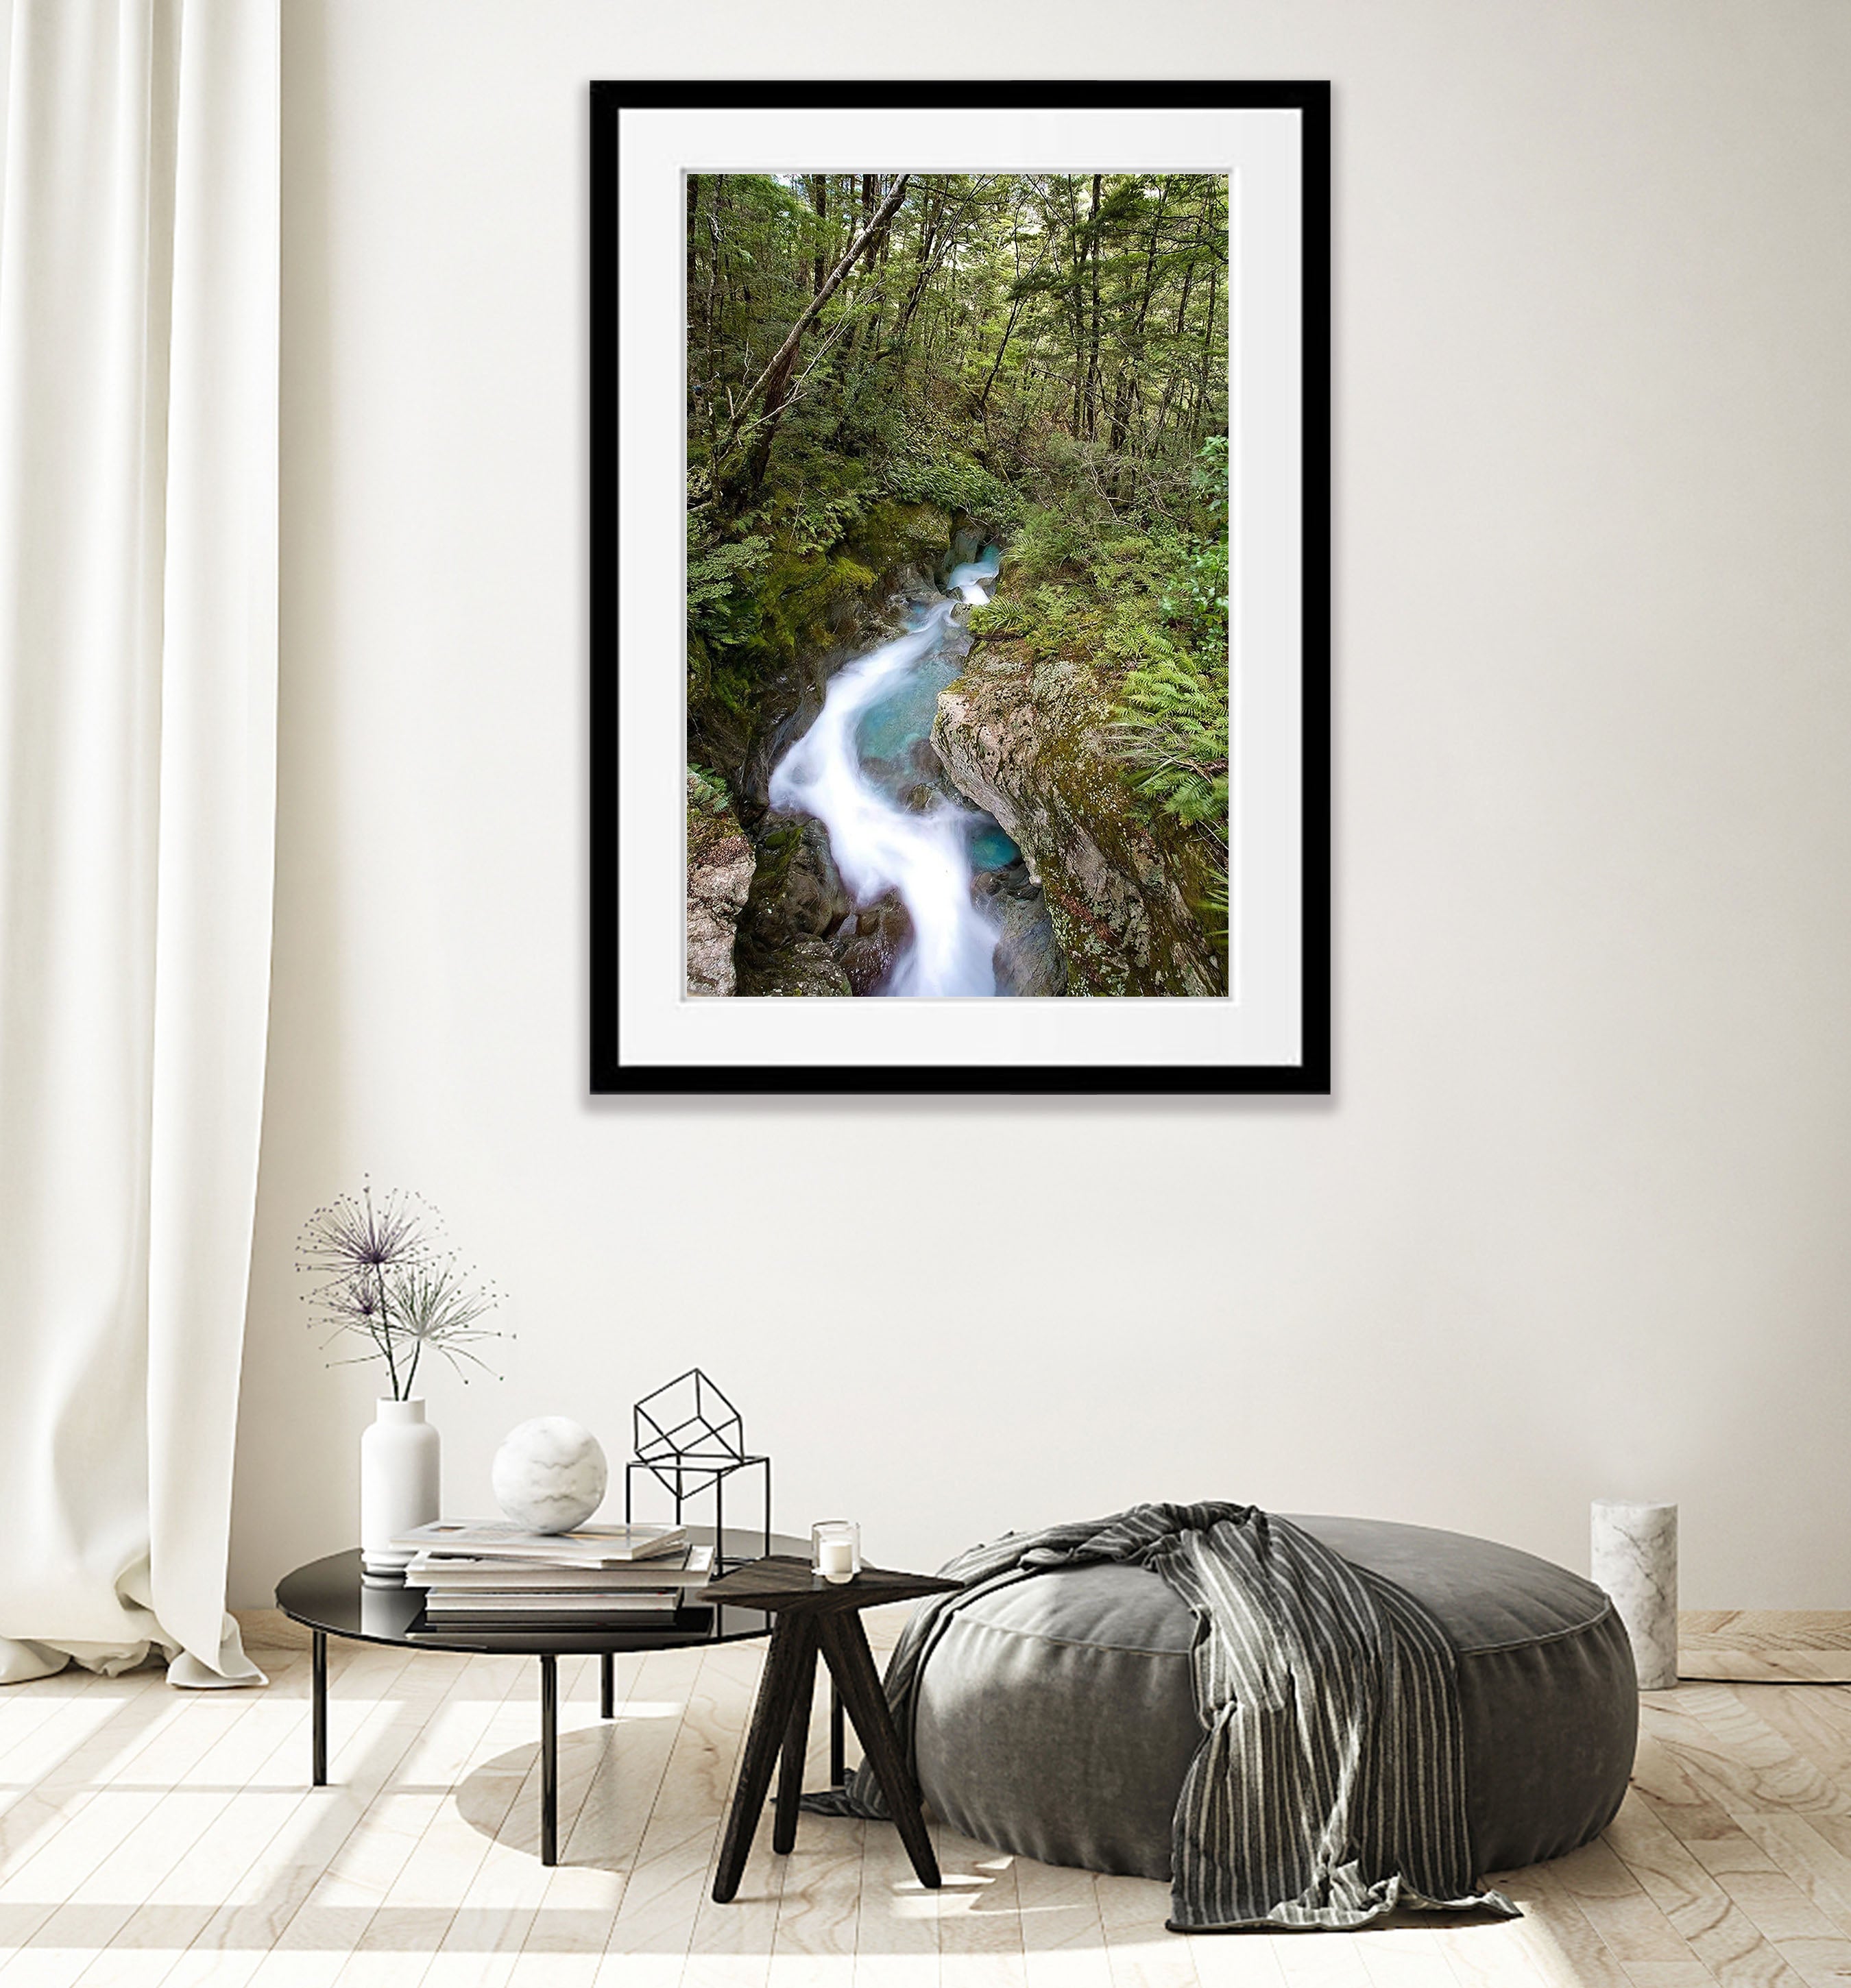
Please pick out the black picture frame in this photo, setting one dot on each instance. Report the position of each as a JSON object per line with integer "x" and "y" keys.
{"x": 1311, "y": 1075}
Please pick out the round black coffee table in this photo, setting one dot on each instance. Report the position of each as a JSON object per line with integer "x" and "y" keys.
{"x": 333, "y": 1598}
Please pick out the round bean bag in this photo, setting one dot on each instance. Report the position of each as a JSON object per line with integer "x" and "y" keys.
{"x": 1056, "y": 1716}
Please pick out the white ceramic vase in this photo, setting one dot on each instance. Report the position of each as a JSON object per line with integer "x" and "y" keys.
{"x": 400, "y": 1471}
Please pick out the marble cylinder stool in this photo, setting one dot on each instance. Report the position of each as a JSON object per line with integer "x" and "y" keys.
{"x": 1634, "y": 1557}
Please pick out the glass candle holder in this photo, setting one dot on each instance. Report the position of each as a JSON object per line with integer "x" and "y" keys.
{"x": 835, "y": 1548}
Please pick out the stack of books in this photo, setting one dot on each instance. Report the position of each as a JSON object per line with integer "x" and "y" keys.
{"x": 481, "y": 1574}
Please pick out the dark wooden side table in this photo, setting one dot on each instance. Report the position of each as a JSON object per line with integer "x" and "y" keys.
{"x": 812, "y": 1616}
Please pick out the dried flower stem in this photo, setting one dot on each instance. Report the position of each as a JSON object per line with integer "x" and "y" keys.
{"x": 384, "y": 1278}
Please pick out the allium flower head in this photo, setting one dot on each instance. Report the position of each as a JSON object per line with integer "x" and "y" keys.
{"x": 381, "y": 1274}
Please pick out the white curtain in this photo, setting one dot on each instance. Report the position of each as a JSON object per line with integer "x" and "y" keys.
{"x": 139, "y": 280}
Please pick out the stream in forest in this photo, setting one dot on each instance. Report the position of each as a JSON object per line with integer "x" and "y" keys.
{"x": 867, "y": 770}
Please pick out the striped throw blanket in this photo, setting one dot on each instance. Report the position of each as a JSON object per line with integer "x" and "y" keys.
{"x": 1330, "y": 1785}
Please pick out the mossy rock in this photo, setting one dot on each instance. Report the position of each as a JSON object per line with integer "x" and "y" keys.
{"x": 805, "y": 970}
{"x": 1031, "y": 742}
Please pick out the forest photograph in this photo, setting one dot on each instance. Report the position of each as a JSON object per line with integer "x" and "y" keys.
{"x": 957, "y": 584}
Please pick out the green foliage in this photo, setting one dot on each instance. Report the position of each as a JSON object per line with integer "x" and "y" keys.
{"x": 954, "y": 483}
{"x": 1198, "y": 598}
{"x": 1041, "y": 355}
{"x": 1173, "y": 731}
{"x": 819, "y": 522}
{"x": 1145, "y": 606}
{"x": 1003, "y": 616}
{"x": 1196, "y": 595}
{"x": 821, "y": 499}
{"x": 712, "y": 574}
{"x": 1133, "y": 638}
{"x": 1062, "y": 620}
{"x": 763, "y": 601}
{"x": 1047, "y": 542}
{"x": 719, "y": 602}
{"x": 1172, "y": 717}
{"x": 1208, "y": 480}
{"x": 707, "y": 789}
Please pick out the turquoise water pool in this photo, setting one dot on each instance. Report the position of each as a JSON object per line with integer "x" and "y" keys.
{"x": 990, "y": 848}
{"x": 904, "y": 717}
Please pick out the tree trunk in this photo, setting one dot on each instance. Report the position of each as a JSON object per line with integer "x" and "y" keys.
{"x": 1092, "y": 361}
{"x": 1122, "y": 402}
{"x": 693, "y": 215}
{"x": 928, "y": 236}
{"x": 1015, "y": 312}
{"x": 819, "y": 201}
{"x": 1077, "y": 252}
{"x": 876, "y": 262}
{"x": 694, "y": 388}
{"x": 1189, "y": 277}
{"x": 774, "y": 382}
{"x": 858, "y": 341}
{"x": 1208, "y": 352}
{"x": 1126, "y": 401}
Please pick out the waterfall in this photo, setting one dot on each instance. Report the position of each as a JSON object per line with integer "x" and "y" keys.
{"x": 965, "y": 579}
{"x": 879, "y": 844}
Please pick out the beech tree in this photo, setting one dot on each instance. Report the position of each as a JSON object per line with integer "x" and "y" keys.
{"x": 880, "y": 317}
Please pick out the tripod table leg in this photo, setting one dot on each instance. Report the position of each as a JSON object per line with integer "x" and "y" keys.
{"x": 770, "y": 1720}
{"x": 797, "y": 1743}
{"x": 845, "y": 1650}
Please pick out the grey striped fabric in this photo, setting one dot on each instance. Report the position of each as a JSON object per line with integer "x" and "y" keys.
{"x": 1329, "y": 1786}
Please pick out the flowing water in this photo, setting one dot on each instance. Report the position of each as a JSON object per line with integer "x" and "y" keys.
{"x": 865, "y": 770}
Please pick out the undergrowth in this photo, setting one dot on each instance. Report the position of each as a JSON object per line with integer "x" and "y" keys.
{"x": 1148, "y": 609}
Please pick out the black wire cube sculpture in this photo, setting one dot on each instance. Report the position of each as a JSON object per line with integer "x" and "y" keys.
{"x": 691, "y": 1438}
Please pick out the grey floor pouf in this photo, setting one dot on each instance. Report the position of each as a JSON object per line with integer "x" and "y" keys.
{"x": 1056, "y": 1717}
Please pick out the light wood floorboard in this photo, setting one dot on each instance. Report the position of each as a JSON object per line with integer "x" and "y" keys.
{"x": 158, "y": 1839}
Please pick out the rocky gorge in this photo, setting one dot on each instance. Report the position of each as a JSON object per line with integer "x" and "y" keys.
{"x": 957, "y": 583}
{"x": 989, "y": 844}
{"x": 1031, "y": 742}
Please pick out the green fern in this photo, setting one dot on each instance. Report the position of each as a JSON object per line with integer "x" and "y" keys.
{"x": 928, "y": 475}
{"x": 1003, "y": 616}
{"x": 712, "y": 574}
{"x": 1171, "y": 728}
{"x": 721, "y": 609}
{"x": 707, "y": 789}
{"x": 819, "y": 521}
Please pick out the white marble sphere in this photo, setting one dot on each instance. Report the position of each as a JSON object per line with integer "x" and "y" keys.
{"x": 549, "y": 1474}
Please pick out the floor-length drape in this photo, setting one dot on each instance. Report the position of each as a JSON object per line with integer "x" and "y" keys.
{"x": 139, "y": 278}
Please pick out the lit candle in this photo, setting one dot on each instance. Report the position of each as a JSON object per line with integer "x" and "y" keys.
{"x": 835, "y": 1560}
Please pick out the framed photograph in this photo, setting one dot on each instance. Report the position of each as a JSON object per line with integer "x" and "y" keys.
{"x": 960, "y": 633}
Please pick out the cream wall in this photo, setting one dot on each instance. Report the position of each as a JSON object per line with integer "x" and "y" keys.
{"x": 1574, "y": 1223}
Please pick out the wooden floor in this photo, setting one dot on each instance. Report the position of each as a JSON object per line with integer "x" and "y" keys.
{"x": 154, "y": 1836}
{"x": 1790, "y": 1646}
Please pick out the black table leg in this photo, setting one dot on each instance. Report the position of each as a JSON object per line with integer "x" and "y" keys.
{"x": 796, "y": 1744}
{"x": 770, "y": 1721}
{"x": 838, "y": 1751}
{"x": 844, "y": 1645}
{"x": 549, "y": 1759}
{"x": 318, "y": 1710}
{"x": 607, "y": 1685}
